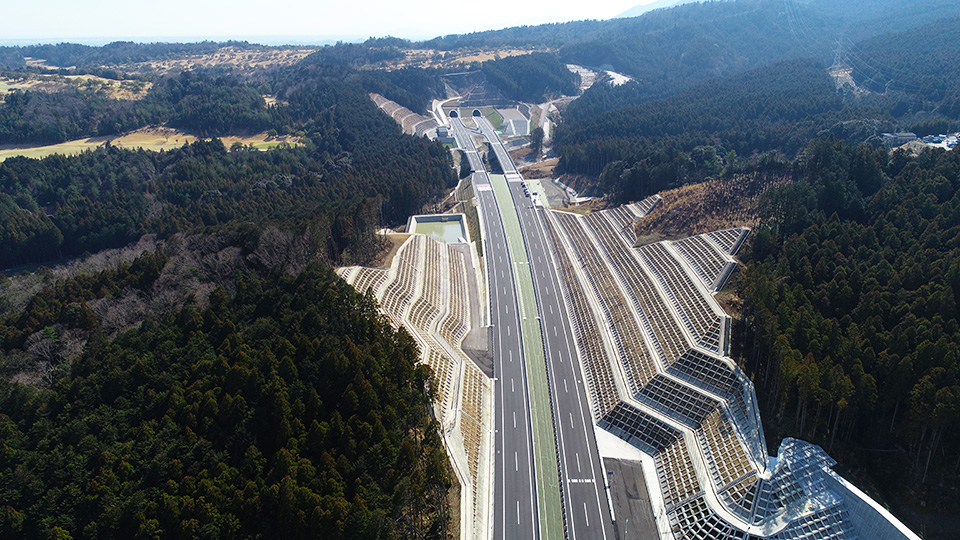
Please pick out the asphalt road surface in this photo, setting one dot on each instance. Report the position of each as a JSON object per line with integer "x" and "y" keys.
{"x": 515, "y": 495}
{"x": 585, "y": 509}
{"x": 584, "y": 499}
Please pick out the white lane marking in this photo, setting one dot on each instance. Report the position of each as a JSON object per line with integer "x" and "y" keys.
{"x": 518, "y": 511}
{"x": 571, "y": 420}
{"x": 586, "y": 514}
{"x": 554, "y": 331}
{"x": 578, "y": 455}
{"x": 504, "y": 291}
{"x": 551, "y": 308}
{"x": 542, "y": 274}
{"x": 508, "y": 331}
{"x": 510, "y": 353}
{"x": 565, "y": 389}
{"x": 515, "y": 424}
{"x": 511, "y": 386}
{"x": 501, "y": 274}
{"x": 499, "y": 259}
{"x": 516, "y": 466}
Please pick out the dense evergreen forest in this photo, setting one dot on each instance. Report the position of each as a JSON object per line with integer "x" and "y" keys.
{"x": 638, "y": 150}
{"x": 852, "y": 322}
{"x": 207, "y": 106}
{"x": 291, "y": 407}
{"x": 354, "y": 172}
{"x": 917, "y": 65}
{"x": 533, "y": 78}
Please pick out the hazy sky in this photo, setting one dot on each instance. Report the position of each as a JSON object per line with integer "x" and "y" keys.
{"x": 60, "y": 20}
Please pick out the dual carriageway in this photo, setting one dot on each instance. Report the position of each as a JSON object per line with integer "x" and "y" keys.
{"x": 548, "y": 476}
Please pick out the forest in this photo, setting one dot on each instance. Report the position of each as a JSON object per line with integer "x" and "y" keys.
{"x": 205, "y": 105}
{"x": 223, "y": 383}
{"x": 918, "y": 66}
{"x": 637, "y": 150}
{"x": 532, "y": 78}
{"x": 851, "y": 315}
{"x": 354, "y": 172}
{"x": 287, "y": 408}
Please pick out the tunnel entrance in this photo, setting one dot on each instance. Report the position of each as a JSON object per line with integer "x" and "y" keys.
{"x": 454, "y": 114}
{"x": 476, "y": 112}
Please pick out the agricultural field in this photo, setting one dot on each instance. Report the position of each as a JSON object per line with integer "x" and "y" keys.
{"x": 153, "y": 138}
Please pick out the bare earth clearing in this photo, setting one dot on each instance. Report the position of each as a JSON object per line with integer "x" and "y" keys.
{"x": 151, "y": 138}
{"x": 708, "y": 206}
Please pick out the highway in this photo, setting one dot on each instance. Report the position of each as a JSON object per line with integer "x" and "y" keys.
{"x": 585, "y": 511}
{"x": 515, "y": 494}
{"x": 585, "y": 503}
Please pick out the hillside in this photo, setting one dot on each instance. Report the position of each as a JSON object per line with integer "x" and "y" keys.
{"x": 717, "y": 204}
{"x": 638, "y": 150}
{"x": 851, "y": 324}
{"x": 286, "y": 408}
{"x": 353, "y": 172}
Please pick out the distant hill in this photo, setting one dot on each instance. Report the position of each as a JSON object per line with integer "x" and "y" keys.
{"x": 640, "y": 9}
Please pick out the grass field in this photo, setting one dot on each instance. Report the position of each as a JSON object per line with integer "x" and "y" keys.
{"x": 8, "y": 85}
{"x": 154, "y": 139}
{"x": 495, "y": 118}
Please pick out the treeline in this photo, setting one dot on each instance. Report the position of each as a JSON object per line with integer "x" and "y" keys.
{"x": 119, "y": 52}
{"x": 354, "y": 172}
{"x": 917, "y": 65}
{"x": 533, "y": 78}
{"x": 36, "y": 117}
{"x": 372, "y": 51}
{"x": 199, "y": 103}
{"x": 288, "y": 409}
{"x": 852, "y": 326}
{"x": 207, "y": 106}
{"x": 641, "y": 149}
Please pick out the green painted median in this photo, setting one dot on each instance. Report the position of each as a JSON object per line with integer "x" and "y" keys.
{"x": 548, "y": 488}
